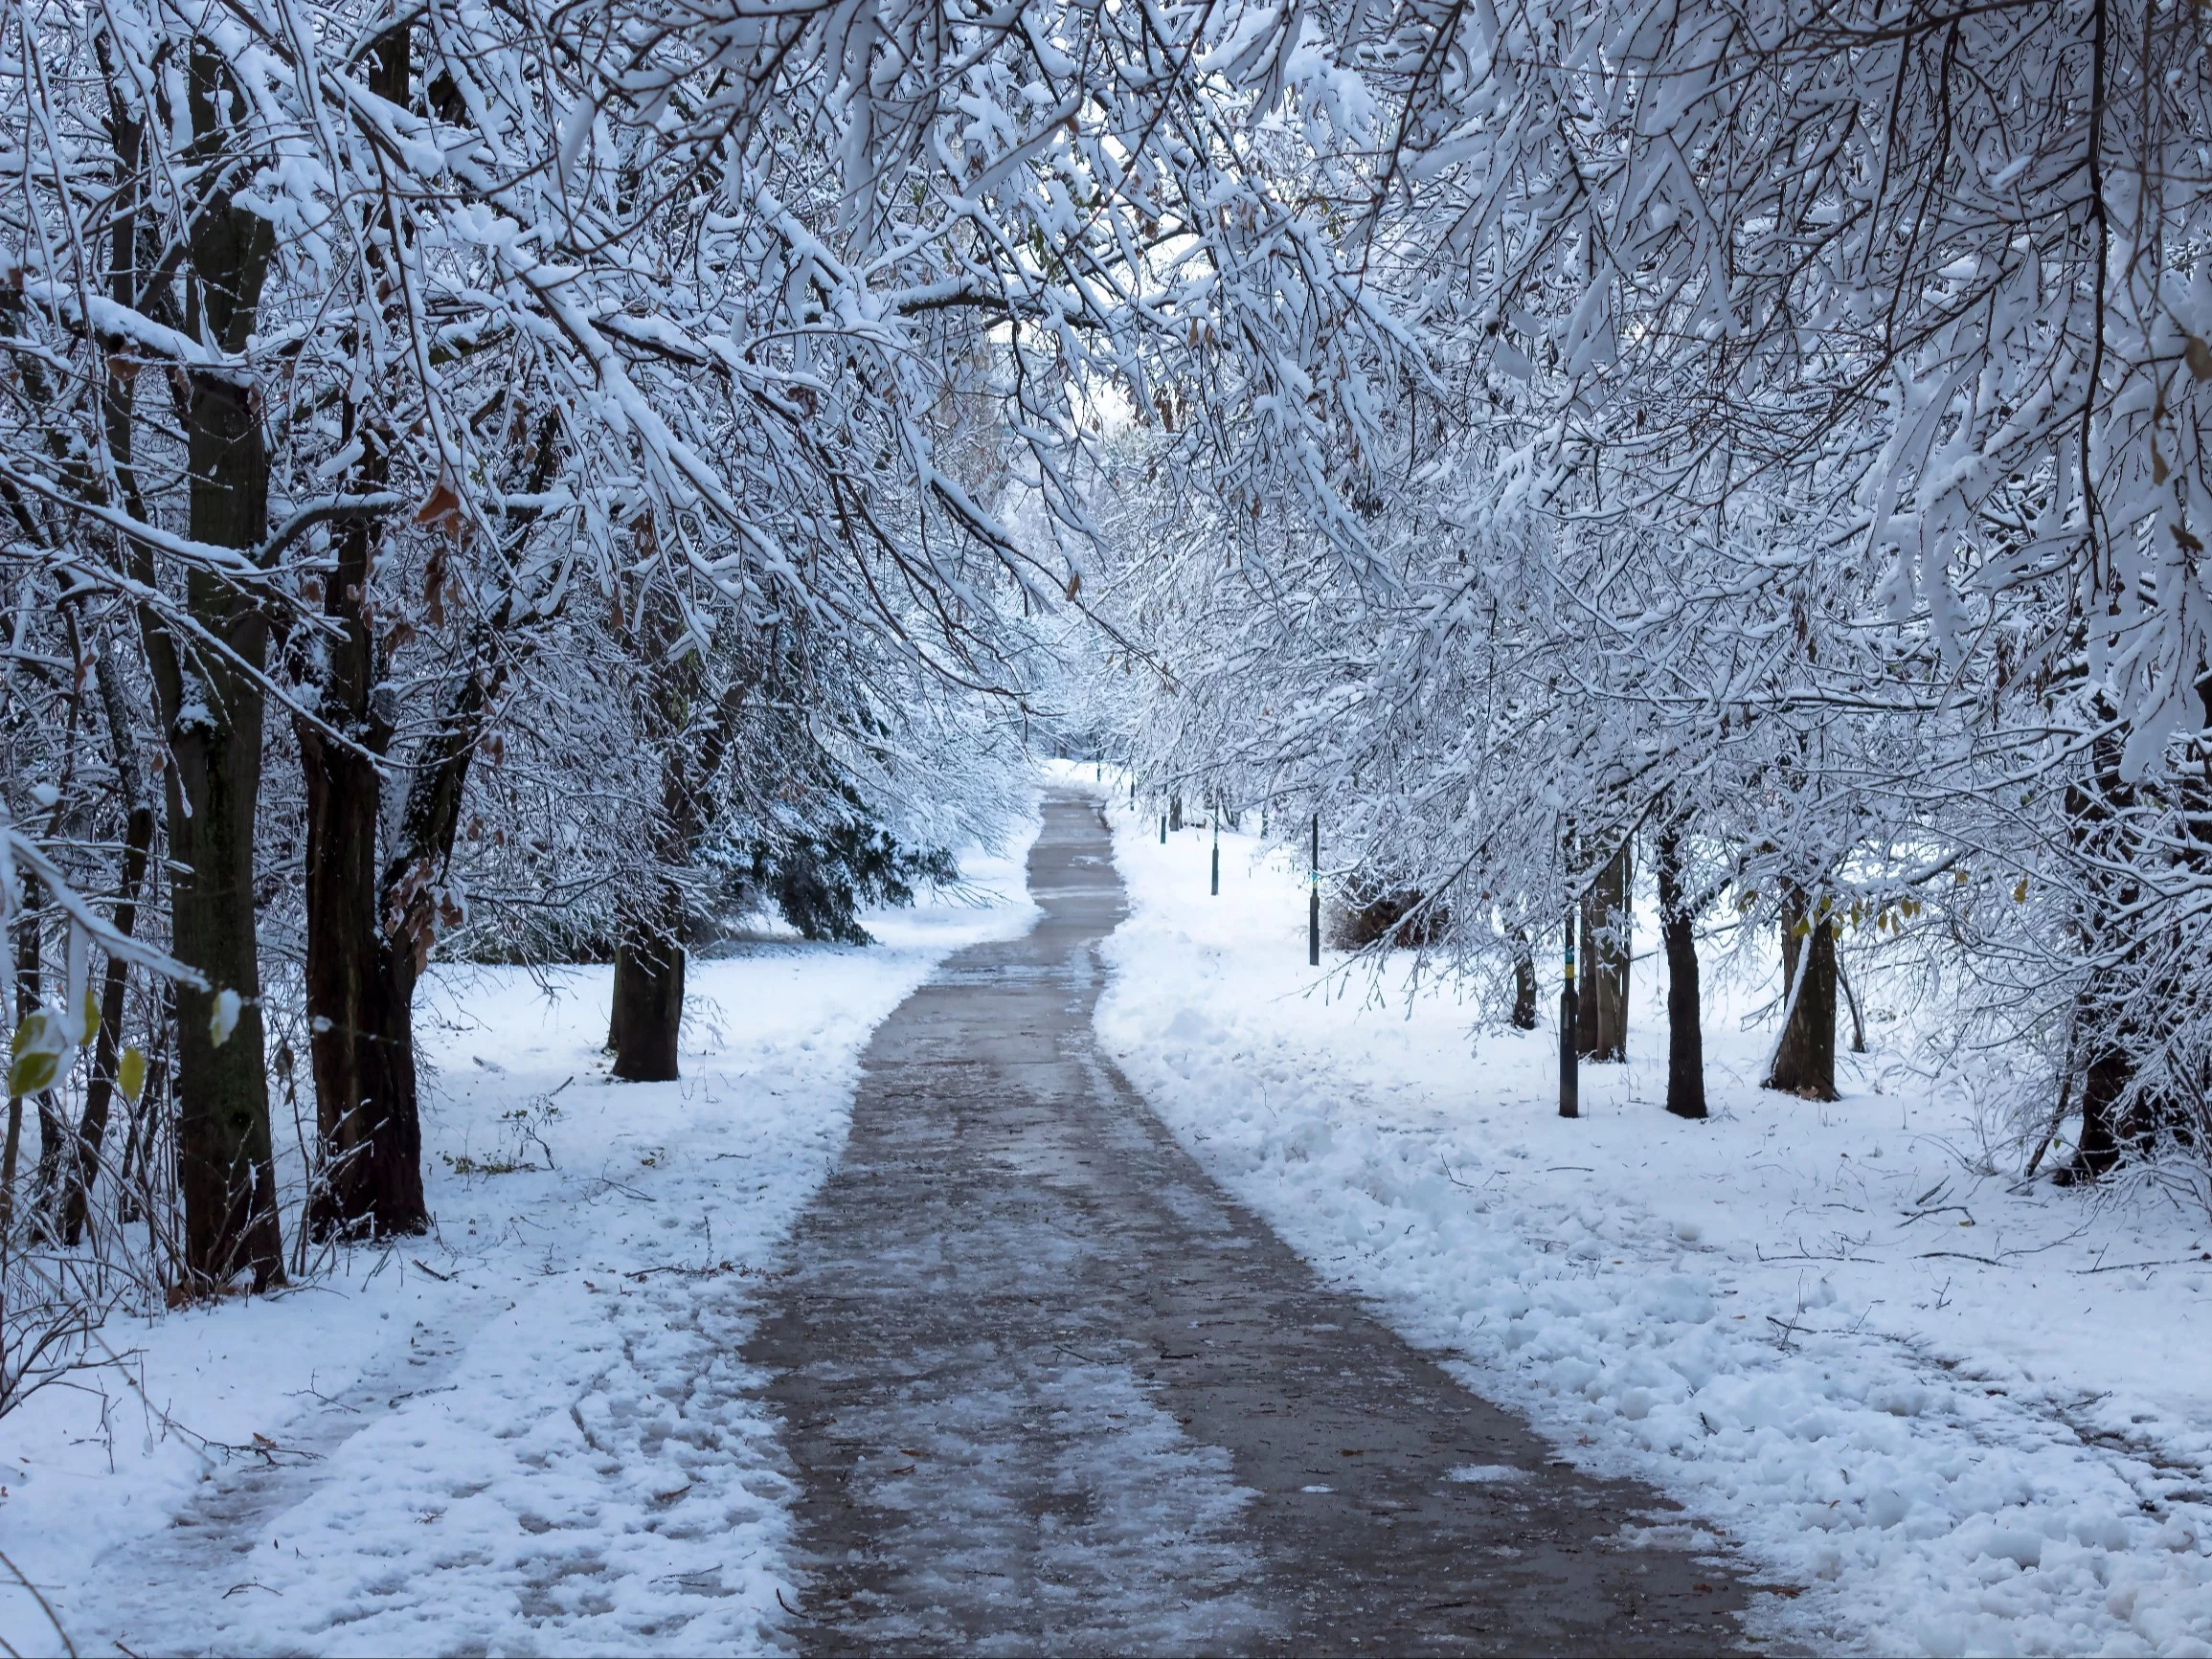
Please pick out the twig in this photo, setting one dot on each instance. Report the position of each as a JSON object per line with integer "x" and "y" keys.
{"x": 442, "y": 1278}
{"x": 2124, "y": 1267}
{"x": 45, "y": 1606}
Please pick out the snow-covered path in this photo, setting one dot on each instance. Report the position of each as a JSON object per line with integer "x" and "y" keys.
{"x": 1046, "y": 1388}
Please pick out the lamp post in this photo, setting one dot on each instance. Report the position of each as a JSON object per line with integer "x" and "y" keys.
{"x": 1569, "y": 1078}
{"x": 1314, "y": 899}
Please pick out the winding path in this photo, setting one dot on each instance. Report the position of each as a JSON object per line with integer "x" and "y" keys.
{"x": 1047, "y": 1388}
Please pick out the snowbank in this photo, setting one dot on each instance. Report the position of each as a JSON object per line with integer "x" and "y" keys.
{"x": 1936, "y": 1415}
{"x": 530, "y": 1432}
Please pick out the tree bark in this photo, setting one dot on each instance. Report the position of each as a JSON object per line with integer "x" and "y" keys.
{"x": 411, "y": 906}
{"x": 213, "y": 710}
{"x": 1601, "y": 1023}
{"x": 1523, "y": 985}
{"x": 362, "y": 1182}
{"x": 1805, "y": 1057}
{"x": 648, "y": 1002}
{"x": 1685, "y": 1032}
{"x": 646, "y": 1020}
{"x": 1851, "y": 1002}
{"x": 368, "y": 1177}
{"x": 2115, "y": 1118}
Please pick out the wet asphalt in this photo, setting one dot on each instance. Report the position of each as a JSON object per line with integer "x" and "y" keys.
{"x": 1046, "y": 1387}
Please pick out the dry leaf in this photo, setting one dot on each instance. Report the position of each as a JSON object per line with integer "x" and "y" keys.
{"x": 442, "y": 510}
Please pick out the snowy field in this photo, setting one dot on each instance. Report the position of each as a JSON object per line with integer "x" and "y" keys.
{"x": 528, "y": 1432}
{"x": 1935, "y": 1414}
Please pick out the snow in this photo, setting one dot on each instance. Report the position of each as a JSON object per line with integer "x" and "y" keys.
{"x": 1139, "y": 1549}
{"x": 1938, "y": 1415}
{"x": 1931, "y": 1412}
{"x": 530, "y": 1432}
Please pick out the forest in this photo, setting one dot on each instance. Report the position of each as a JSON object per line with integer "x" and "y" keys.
{"x": 1698, "y": 486}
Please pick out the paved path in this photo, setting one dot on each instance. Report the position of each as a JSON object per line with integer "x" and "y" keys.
{"x": 1047, "y": 1388}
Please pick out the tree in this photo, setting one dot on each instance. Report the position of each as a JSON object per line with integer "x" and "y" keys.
{"x": 1601, "y": 1023}
{"x": 1804, "y": 1061}
{"x": 1678, "y": 935}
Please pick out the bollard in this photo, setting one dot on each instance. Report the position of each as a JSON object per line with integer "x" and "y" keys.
{"x": 1217, "y": 855}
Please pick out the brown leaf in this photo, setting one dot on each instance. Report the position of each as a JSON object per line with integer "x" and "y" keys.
{"x": 2198, "y": 357}
{"x": 442, "y": 510}
{"x": 1074, "y": 583}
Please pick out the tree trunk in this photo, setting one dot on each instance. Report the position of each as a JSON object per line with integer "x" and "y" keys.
{"x": 1851, "y": 1002}
{"x": 648, "y": 1002}
{"x": 1805, "y": 1057}
{"x": 1523, "y": 985}
{"x": 225, "y": 1167}
{"x": 368, "y": 1174}
{"x": 348, "y": 975}
{"x": 411, "y": 905}
{"x": 1686, "y": 1033}
{"x": 2115, "y": 1118}
{"x": 2105, "y": 1083}
{"x": 646, "y": 1018}
{"x": 137, "y": 847}
{"x": 1601, "y": 1021}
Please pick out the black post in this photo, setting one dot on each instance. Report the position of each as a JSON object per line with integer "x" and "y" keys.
{"x": 1163, "y": 829}
{"x": 1217, "y": 854}
{"x": 1569, "y": 1080}
{"x": 1314, "y": 901}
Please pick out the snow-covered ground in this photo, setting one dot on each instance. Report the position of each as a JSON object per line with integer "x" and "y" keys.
{"x": 1938, "y": 1414}
{"x": 530, "y": 1432}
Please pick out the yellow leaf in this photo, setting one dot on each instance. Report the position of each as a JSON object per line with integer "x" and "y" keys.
{"x": 2020, "y": 893}
{"x": 29, "y": 1073}
{"x": 131, "y": 1074}
{"x": 35, "y": 1054}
